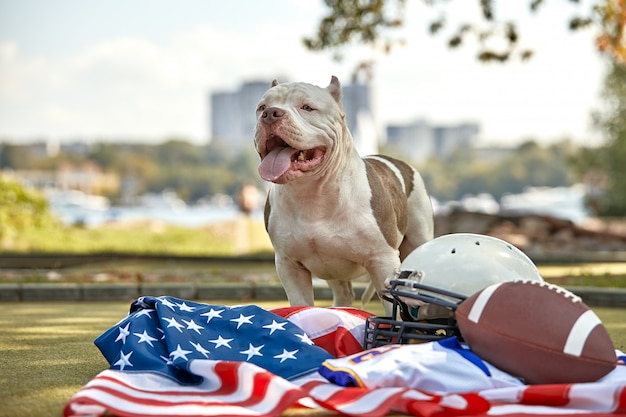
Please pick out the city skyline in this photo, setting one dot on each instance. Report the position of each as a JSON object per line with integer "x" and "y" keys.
{"x": 143, "y": 70}
{"x": 419, "y": 139}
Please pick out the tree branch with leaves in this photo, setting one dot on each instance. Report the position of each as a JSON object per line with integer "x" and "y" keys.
{"x": 375, "y": 23}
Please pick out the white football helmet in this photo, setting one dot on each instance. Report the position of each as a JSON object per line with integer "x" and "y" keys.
{"x": 436, "y": 277}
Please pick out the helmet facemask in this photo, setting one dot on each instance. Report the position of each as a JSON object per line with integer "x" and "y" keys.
{"x": 420, "y": 313}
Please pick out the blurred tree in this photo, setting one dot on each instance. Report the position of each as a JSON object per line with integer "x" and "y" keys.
{"x": 21, "y": 210}
{"x": 139, "y": 166}
{"x": 106, "y": 155}
{"x": 247, "y": 163}
{"x": 587, "y": 165}
{"x": 15, "y": 156}
{"x": 533, "y": 166}
{"x": 176, "y": 152}
{"x": 200, "y": 172}
{"x": 372, "y": 23}
{"x": 612, "y": 122}
{"x": 528, "y": 165}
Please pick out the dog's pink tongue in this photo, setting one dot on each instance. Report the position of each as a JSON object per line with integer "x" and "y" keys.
{"x": 276, "y": 163}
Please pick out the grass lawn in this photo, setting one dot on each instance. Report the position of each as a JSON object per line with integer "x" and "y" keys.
{"x": 48, "y": 352}
{"x": 239, "y": 236}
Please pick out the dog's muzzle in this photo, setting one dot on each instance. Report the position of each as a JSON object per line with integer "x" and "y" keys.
{"x": 278, "y": 157}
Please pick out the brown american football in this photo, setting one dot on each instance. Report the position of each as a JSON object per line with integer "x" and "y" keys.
{"x": 538, "y": 332}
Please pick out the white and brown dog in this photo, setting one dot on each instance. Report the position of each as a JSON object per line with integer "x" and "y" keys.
{"x": 330, "y": 213}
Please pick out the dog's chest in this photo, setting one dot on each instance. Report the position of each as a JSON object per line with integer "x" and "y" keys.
{"x": 329, "y": 249}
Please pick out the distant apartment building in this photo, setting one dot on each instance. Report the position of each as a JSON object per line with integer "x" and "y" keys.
{"x": 357, "y": 103}
{"x": 233, "y": 115}
{"x": 420, "y": 140}
{"x": 415, "y": 140}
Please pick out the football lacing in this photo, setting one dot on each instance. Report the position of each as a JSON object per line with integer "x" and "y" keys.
{"x": 558, "y": 289}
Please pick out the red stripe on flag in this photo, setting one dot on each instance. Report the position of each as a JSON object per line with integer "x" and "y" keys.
{"x": 227, "y": 372}
{"x": 363, "y": 402}
{"x": 552, "y": 395}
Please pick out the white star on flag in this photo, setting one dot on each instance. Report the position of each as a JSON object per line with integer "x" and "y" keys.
{"x": 124, "y": 360}
{"x": 179, "y": 353}
{"x": 200, "y": 349}
{"x": 184, "y": 307}
{"x": 145, "y": 337}
{"x": 145, "y": 312}
{"x": 191, "y": 325}
{"x": 167, "y": 303}
{"x": 275, "y": 326}
{"x": 173, "y": 323}
{"x": 123, "y": 333}
{"x": 286, "y": 355}
{"x": 242, "y": 319}
{"x": 220, "y": 341}
{"x": 168, "y": 361}
{"x": 252, "y": 351}
{"x": 211, "y": 314}
{"x": 304, "y": 338}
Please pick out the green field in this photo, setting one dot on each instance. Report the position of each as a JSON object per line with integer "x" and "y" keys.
{"x": 240, "y": 236}
{"x": 48, "y": 352}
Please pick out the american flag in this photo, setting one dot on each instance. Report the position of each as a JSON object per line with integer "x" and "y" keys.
{"x": 172, "y": 357}
{"x": 164, "y": 334}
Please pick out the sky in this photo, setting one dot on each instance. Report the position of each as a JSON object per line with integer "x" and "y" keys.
{"x": 143, "y": 70}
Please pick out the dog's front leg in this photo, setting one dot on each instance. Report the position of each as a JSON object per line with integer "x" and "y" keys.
{"x": 379, "y": 270}
{"x": 296, "y": 280}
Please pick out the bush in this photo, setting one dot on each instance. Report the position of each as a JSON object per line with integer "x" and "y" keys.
{"x": 21, "y": 210}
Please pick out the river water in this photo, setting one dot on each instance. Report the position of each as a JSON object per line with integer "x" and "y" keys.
{"x": 189, "y": 216}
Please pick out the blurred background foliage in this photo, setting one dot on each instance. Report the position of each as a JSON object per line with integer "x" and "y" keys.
{"x": 611, "y": 158}
{"x": 377, "y": 23}
{"x": 198, "y": 172}
{"x": 22, "y": 210}
{"x": 193, "y": 171}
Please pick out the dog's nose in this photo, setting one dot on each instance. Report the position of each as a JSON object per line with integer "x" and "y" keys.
{"x": 272, "y": 114}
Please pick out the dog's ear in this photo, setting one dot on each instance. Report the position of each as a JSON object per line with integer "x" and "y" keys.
{"x": 335, "y": 89}
{"x": 274, "y": 83}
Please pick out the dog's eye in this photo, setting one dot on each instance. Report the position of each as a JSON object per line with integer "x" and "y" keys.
{"x": 261, "y": 107}
{"x": 307, "y": 107}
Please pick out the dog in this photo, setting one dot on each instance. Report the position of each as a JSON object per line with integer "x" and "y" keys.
{"x": 330, "y": 213}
